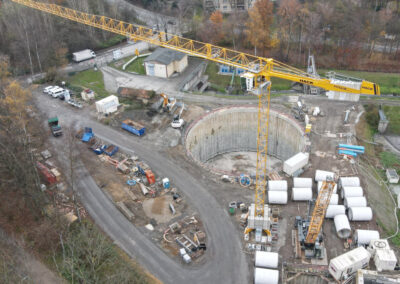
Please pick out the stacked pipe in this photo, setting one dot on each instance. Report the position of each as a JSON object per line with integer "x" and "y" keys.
{"x": 354, "y": 199}
{"x": 277, "y": 192}
{"x": 302, "y": 189}
{"x": 266, "y": 265}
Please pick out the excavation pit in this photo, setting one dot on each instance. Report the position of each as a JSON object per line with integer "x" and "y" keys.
{"x": 225, "y": 140}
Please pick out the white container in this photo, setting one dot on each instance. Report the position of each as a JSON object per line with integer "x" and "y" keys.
{"x": 360, "y": 214}
{"x": 187, "y": 258}
{"x": 320, "y": 186}
{"x": 355, "y": 191}
{"x": 302, "y": 182}
{"x": 266, "y": 259}
{"x": 301, "y": 194}
{"x": 355, "y": 201}
{"x": 349, "y": 181}
{"x": 295, "y": 163}
{"x": 385, "y": 259}
{"x": 266, "y": 276}
{"x": 277, "y": 197}
{"x": 345, "y": 265}
{"x": 364, "y": 237}
{"x": 342, "y": 226}
{"x": 83, "y": 55}
{"x": 334, "y": 210}
{"x": 323, "y": 175}
{"x": 375, "y": 245}
{"x": 277, "y": 185}
{"x": 334, "y": 199}
{"x": 107, "y": 105}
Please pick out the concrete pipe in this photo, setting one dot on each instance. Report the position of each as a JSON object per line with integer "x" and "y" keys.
{"x": 334, "y": 199}
{"x": 334, "y": 210}
{"x": 277, "y": 197}
{"x": 266, "y": 259}
{"x": 360, "y": 214}
{"x": 266, "y": 276}
{"x": 323, "y": 175}
{"x": 302, "y": 182}
{"x": 355, "y": 201}
{"x": 364, "y": 237}
{"x": 342, "y": 226}
{"x": 349, "y": 181}
{"x": 301, "y": 194}
{"x": 355, "y": 191}
{"x": 320, "y": 186}
{"x": 277, "y": 185}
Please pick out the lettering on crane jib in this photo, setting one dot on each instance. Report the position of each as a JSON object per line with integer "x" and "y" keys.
{"x": 368, "y": 88}
{"x": 306, "y": 82}
{"x": 340, "y": 87}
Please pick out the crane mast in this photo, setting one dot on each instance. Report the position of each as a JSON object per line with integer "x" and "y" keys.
{"x": 260, "y": 69}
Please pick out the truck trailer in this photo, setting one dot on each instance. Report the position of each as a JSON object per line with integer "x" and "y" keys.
{"x": 83, "y": 55}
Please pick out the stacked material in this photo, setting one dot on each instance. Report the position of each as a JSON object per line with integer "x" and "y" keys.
{"x": 277, "y": 192}
{"x": 302, "y": 189}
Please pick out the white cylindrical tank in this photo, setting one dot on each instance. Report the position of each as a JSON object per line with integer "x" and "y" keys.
{"x": 334, "y": 210}
{"x": 266, "y": 276}
{"x": 302, "y": 182}
{"x": 355, "y": 201}
{"x": 277, "y": 197}
{"x": 334, "y": 199}
{"x": 266, "y": 259}
{"x": 301, "y": 194}
{"x": 355, "y": 191}
{"x": 320, "y": 186}
{"x": 277, "y": 185}
{"x": 364, "y": 237}
{"x": 360, "y": 214}
{"x": 322, "y": 175}
{"x": 342, "y": 226}
{"x": 349, "y": 181}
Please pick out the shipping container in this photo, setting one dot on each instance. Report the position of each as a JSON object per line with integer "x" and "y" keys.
{"x": 46, "y": 174}
{"x": 345, "y": 265}
{"x": 83, "y": 55}
{"x": 295, "y": 163}
{"x": 385, "y": 259}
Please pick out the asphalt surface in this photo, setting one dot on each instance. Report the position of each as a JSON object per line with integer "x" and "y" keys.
{"x": 225, "y": 262}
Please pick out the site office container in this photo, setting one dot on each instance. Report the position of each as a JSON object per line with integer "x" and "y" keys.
{"x": 343, "y": 266}
{"x": 295, "y": 163}
{"x": 46, "y": 174}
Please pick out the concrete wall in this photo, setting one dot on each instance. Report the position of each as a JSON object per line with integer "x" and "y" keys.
{"x": 235, "y": 129}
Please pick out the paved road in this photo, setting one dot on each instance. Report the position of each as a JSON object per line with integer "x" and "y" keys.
{"x": 225, "y": 262}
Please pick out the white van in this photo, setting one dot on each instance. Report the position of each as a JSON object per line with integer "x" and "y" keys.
{"x": 54, "y": 89}
{"x": 57, "y": 93}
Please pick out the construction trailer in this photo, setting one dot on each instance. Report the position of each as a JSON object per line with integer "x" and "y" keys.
{"x": 346, "y": 265}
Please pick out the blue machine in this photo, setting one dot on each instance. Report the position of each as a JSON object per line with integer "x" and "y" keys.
{"x": 87, "y": 135}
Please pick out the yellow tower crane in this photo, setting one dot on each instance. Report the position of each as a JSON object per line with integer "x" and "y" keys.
{"x": 259, "y": 69}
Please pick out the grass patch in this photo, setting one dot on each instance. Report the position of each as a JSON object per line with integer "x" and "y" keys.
{"x": 90, "y": 79}
{"x": 388, "y": 82}
{"x": 393, "y": 115}
{"x": 112, "y": 41}
{"x": 137, "y": 66}
{"x": 389, "y": 160}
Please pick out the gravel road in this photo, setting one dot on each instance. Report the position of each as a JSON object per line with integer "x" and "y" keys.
{"x": 225, "y": 261}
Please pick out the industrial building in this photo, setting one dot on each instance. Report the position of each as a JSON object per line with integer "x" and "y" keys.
{"x": 228, "y": 6}
{"x": 165, "y": 62}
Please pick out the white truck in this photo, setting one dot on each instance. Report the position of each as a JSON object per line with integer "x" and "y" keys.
{"x": 83, "y": 55}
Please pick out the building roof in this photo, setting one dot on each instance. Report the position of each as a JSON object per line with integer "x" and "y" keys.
{"x": 165, "y": 56}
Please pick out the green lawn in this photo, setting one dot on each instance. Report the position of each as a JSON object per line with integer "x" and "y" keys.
{"x": 388, "y": 82}
{"x": 90, "y": 79}
{"x": 137, "y": 66}
{"x": 393, "y": 115}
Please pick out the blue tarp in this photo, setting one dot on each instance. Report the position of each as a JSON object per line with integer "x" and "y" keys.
{"x": 87, "y": 136}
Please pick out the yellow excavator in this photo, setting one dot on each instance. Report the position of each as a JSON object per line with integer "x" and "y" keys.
{"x": 259, "y": 72}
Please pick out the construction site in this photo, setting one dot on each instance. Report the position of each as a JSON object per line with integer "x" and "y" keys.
{"x": 273, "y": 186}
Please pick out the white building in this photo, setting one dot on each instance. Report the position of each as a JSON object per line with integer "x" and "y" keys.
{"x": 107, "y": 105}
{"x": 165, "y": 62}
{"x": 228, "y": 6}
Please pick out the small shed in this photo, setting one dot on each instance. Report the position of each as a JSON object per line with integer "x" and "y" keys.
{"x": 87, "y": 95}
{"x": 392, "y": 176}
{"x": 107, "y": 105}
{"x": 165, "y": 62}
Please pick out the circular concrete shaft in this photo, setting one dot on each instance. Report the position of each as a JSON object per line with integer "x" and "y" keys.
{"x": 234, "y": 129}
